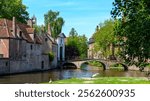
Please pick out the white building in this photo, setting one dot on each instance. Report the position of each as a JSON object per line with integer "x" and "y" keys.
{"x": 61, "y": 47}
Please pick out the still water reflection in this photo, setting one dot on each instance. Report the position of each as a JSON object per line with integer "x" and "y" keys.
{"x": 88, "y": 71}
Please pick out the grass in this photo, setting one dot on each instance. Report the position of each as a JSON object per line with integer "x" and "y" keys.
{"x": 105, "y": 80}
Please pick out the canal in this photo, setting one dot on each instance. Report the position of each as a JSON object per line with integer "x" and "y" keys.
{"x": 45, "y": 76}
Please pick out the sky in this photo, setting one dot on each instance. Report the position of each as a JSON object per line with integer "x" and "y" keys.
{"x": 83, "y": 15}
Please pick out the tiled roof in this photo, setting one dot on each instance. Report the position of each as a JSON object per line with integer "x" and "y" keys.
{"x": 91, "y": 40}
{"x": 23, "y": 28}
{"x": 38, "y": 39}
{"x": 30, "y": 30}
{"x": 6, "y": 31}
{"x": 62, "y": 35}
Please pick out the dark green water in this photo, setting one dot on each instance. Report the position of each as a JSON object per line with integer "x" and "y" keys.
{"x": 88, "y": 71}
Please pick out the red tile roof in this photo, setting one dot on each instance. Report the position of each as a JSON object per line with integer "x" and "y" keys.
{"x": 6, "y": 31}
{"x": 38, "y": 39}
{"x": 30, "y": 30}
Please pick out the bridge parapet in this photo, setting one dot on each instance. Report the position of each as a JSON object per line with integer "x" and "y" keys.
{"x": 106, "y": 64}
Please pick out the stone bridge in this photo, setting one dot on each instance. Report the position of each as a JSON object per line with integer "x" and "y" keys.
{"x": 105, "y": 63}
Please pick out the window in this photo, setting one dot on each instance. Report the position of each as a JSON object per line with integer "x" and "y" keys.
{"x": 25, "y": 55}
{"x": 11, "y": 30}
{"x": 42, "y": 64}
{"x": 61, "y": 40}
{"x": 31, "y": 47}
{"x": 6, "y": 64}
{"x": 1, "y": 55}
{"x": 45, "y": 39}
{"x": 20, "y": 34}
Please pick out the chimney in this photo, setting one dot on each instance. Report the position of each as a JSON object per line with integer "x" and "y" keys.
{"x": 14, "y": 27}
{"x": 30, "y": 23}
{"x": 49, "y": 29}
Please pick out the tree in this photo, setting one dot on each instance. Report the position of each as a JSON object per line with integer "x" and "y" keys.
{"x": 133, "y": 29}
{"x": 104, "y": 37}
{"x": 55, "y": 22}
{"x": 76, "y": 46}
{"x": 73, "y": 33}
{"x": 39, "y": 29}
{"x": 82, "y": 46}
{"x": 13, "y": 8}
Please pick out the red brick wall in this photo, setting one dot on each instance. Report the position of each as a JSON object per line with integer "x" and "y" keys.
{"x": 4, "y": 47}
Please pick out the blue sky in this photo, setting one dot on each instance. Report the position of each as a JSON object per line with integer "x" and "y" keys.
{"x": 83, "y": 15}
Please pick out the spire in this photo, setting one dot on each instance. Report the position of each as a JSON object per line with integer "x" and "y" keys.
{"x": 34, "y": 20}
{"x": 49, "y": 29}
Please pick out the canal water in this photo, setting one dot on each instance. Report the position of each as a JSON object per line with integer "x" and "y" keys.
{"x": 87, "y": 72}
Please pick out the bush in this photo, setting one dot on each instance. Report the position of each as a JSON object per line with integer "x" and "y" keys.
{"x": 51, "y": 56}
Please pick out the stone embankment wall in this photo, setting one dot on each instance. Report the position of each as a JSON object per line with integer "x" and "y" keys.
{"x": 4, "y": 66}
{"x": 136, "y": 68}
{"x": 9, "y": 66}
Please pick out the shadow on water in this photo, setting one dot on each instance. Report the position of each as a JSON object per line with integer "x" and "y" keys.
{"x": 86, "y": 72}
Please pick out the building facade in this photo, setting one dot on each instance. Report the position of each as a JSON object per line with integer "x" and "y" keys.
{"x": 91, "y": 52}
{"x": 23, "y": 50}
{"x": 61, "y": 47}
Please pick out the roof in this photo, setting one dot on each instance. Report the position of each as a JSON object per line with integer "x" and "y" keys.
{"x": 62, "y": 35}
{"x": 50, "y": 38}
{"x": 30, "y": 30}
{"x": 6, "y": 31}
{"x": 91, "y": 40}
{"x": 38, "y": 39}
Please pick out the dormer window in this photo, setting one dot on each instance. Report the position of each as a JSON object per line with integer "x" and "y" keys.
{"x": 46, "y": 39}
{"x": 20, "y": 34}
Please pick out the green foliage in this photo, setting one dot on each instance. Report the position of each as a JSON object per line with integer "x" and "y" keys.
{"x": 104, "y": 37}
{"x": 95, "y": 63}
{"x": 55, "y": 22}
{"x": 117, "y": 67}
{"x": 133, "y": 29}
{"x": 38, "y": 29}
{"x": 13, "y": 8}
{"x": 76, "y": 46}
{"x": 51, "y": 56}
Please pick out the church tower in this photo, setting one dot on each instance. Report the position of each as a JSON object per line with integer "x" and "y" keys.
{"x": 34, "y": 20}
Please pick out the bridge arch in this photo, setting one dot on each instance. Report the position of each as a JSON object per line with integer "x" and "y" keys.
{"x": 69, "y": 64}
{"x": 103, "y": 64}
{"x": 125, "y": 67}
{"x": 77, "y": 64}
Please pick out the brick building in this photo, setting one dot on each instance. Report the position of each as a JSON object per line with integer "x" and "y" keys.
{"x": 22, "y": 49}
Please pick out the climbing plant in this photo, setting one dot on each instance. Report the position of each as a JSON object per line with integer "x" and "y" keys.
{"x": 51, "y": 56}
